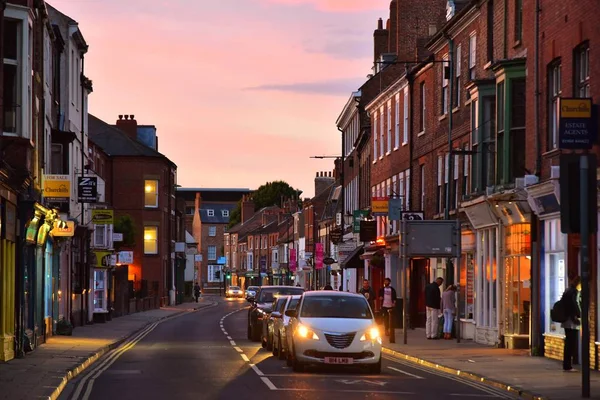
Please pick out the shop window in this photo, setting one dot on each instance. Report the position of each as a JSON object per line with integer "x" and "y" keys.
{"x": 517, "y": 278}
{"x": 486, "y": 271}
{"x": 100, "y": 236}
{"x": 555, "y": 271}
{"x": 151, "y": 193}
{"x": 100, "y": 290}
{"x": 150, "y": 240}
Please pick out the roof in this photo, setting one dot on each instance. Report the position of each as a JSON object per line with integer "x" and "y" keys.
{"x": 115, "y": 142}
{"x": 218, "y": 217}
{"x": 189, "y": 239}
{"x": 213, "y": 194}
{"x": 253, "y": 222}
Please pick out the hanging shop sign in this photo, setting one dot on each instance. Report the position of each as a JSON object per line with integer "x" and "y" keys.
{"x": 63, "y": 229}
{"x": 577, "y": 124}
{"x": 380, "y": 206}
{"x": 57, "y": 187}
{"x": 103, "y": 217}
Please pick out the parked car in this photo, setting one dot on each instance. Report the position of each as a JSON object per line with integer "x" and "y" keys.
{"x": 268, "y": 321}
{"x": 280, "y": 327}
{"x": 336, "y": 328}
{"x": 261, "y": 306}
{"x": 234, "y": 291}
{"x": 251, "y": 291}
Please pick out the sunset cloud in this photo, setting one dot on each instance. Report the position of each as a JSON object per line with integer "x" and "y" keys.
{"x": 335, "y": 5}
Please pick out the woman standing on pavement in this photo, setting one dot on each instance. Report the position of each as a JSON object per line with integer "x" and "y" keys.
{"x": 449, "y": 310}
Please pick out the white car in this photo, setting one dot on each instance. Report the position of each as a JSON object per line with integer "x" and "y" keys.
{"x": 235, "y": 291}
{"x": 335, "y": 328}
{"x": 280, "y": 327}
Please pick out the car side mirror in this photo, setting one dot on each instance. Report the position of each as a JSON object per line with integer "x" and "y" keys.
{"x": 276, "y": 314}
{"x": 291, "y": 313}
{"x": 250, "y": 299}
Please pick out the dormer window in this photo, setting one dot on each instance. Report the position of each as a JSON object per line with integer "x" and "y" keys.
{"x": 225, "y": 213}
{"x": 210, "y": 213}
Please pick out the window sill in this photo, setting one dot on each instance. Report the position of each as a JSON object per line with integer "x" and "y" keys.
{"x": 150, "y": 254}
{"x": 455, "y": 110}
{"x": 517, "y": 43}
{"x": 151, "y": 207}
{"x": 488, "y": 65}
{"x": 556, "y": 335}
{"x": 396, "y": 148}
{"x": 443, "y": 117}
{"x": 388, "y": 153}
{"x": 551, "y": 153}
{"x": 420, "y": 133}
{"x": 404, "y": 144}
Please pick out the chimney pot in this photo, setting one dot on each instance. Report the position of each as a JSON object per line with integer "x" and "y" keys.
{"x": 132, "y": 116}
{"x": 120, "y": 117}
{"x": 380, "y": 24}
{"x": 317, "y": 175}
{"x": 126, "y": 116}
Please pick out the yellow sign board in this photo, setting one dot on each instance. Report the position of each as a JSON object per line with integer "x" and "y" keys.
{"x": 103, "y": 217}
{"x": 576, "y": 108}
{"x": 63, "y": 229}
{"x": 57, "y": 186}
{"x": 379, "y": 205}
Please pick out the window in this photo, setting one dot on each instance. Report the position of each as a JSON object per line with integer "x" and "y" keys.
{"x": 225, "y": 213}
{"x": 397, "y": 120}
{"x": 456, "y": 174}
{"x": 212, "y": 252}
{"x": 422, "y": 187}
{"x": 447, "y": 179}
{"x": 189, "y": 210}
{"x": 100, "y": 236}
{"x": 500, "y": 104}
{"x": 251, "y": 243}
{"x": 517, "y": 129}
{"x": 465, "y": 182}
{"x": 212, "y": 231}
{"x": 456, "y": 87}
{"x": 475, "y": 147}
{"x": 389, "y": 126}
{"x": 214, "y": 273}
{"x": 405, "y": 111}
{"x": 487, "y": 124}
{"x": 439, "y": 194}
{"x": 151, "y": 240}
{"x": 490, "y": 30}
{"x": 151, "y": 193}
{"x": 381, "y": 132}
{"x": 12, "y": 85}
{"x": 56, "y": 159}
{"x": 210, "y": 213}
{"x": 375, "y": 137}
{"x": 472, "y": 56}
{"x": 554, "y": 92}
{"x": 518, "y": 20}
{"x": 445, "y": 82}
{"x": 555, "y": 274}
{"x": 582, "y": 71}
{"x": 422, "y": 105}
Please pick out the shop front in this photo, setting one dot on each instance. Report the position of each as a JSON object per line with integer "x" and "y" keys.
{"x": 102, "y": 262}
{"x": 8, "y": 240}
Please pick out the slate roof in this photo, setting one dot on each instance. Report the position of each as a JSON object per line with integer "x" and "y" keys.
{"x": 218, "y": 217}
{"x": 117, "y": 143}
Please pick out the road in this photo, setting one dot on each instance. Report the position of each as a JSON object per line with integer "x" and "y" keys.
{"x": 205, "y": 355}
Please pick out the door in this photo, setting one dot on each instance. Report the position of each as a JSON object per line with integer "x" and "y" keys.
{"x": 419, "y": 278}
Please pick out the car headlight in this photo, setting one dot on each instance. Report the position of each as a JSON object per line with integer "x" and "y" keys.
{"x": 371, "y": 334}
{"x": 306, "y": 333}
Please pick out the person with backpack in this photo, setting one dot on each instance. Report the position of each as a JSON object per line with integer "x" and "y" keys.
{"x": 571, "y": 300}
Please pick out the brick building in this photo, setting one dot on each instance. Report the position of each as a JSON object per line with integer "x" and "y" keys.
{"x": 145, "y": 191}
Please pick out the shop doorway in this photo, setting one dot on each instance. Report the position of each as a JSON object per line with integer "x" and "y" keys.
{"x": 418, "y": 279}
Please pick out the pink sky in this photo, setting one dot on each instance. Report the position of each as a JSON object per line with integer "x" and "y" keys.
{"x": 242, "y": 91}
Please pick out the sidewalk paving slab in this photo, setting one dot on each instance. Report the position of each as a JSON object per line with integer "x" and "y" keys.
{"x": 511, "y": 370}
{"x": 43, "y": 373}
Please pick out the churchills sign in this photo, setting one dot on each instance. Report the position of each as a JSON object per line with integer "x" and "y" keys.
{"x": 57, "y": 187}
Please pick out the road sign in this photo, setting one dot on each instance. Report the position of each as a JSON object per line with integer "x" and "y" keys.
{"x": 117, "y": 237}
{"x": 87, "y": 189}
{"x": 432, "y": 239}
{"x": 358, "y": 215}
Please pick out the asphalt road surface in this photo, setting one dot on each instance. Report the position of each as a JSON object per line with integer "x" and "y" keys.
{"x": 205, "y": 355}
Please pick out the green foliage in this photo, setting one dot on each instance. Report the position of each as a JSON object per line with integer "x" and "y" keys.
{"x": 125, "y": 225}
{"x": 269, "y": 194}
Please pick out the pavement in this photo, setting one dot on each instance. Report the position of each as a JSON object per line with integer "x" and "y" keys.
{"x": 43, "y": 373}
{"x": 207, "y": 355}
{"x": 513, "y": 371}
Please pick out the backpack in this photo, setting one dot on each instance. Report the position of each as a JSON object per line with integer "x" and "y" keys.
{"x": 559, "y": 311}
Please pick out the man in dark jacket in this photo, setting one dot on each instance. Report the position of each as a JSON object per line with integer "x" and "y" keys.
{"x": 433, "y": 301}
{"x": 387, "y": 295}
{"x": 572, "y": 299}
{"x": 369, "y": 293}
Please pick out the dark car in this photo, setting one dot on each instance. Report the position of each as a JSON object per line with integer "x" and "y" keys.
{"x": 266, "y": 337}
{"x": 262, "y": 304}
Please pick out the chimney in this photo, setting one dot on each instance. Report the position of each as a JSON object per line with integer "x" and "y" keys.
{"x": 323, "y": 180}
{"x": 128, "y": 124}
{"x": 393, "y": 27}
{"x": 247, "y": 208}
{"x": 380, "y": 39}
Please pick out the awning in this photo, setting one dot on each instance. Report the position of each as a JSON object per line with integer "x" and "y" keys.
{"x": 369, "y": 254}
{"x": 353, "y": 259}
{"x": 65, "y": 137}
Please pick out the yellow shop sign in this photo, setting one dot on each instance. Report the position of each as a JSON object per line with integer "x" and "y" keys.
{"x": 576, "y": 108}
{"x": 103, "y": 217}
{"x": 57, "y": 186}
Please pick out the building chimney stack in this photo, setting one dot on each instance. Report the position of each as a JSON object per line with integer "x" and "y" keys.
{"x": 247, "y": 208}
{"x": 128, "y": 124}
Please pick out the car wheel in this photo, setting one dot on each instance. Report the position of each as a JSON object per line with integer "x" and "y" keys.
{"x": 376, "y": 368}
{"x": 297, "y": 366}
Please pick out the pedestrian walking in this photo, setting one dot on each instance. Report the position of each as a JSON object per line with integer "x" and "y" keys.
{"x": 369, "y": 293}
{"x": 387, "y": 296}
{"x": 196, "y": 291}
{"x": 433, "y": 302}
{"x": 449, "y": 310}
{"x": 328, "y": 287}
{"x": 572, "y": 303}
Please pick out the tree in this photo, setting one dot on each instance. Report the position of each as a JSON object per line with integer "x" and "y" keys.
{"x": 125, "y": 225}
{"x": 269, "y": 194}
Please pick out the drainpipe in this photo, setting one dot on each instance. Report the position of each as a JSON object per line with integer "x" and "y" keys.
{"x": 450, "y": 173}
{"x": 411, "y": 80}
{"x": 84, "y": 296}
{"x": 343, "y": 193}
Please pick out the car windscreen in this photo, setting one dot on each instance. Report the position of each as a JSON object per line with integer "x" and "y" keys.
{"x": 234, "y": 287}
{"x": 293, "y": 304}
{"x": 267, "y": 295}
{"x": 253, "y": 288}
{"x": 335, "y": 307}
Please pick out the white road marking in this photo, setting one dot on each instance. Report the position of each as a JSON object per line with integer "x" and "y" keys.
{"x": 229, "y": 338}
{"x": 245, "y": 357}
{"x": 258, "y": 371}
{"x": 471, "y": 395}
{"x": 344, "y": 391}
{"x": 268, "y": 382}
{"x": 232, "y": 343}
{"x": 361, "y": 381}
{"x": 238, "y": 349}
{"x": 406, "y": 373}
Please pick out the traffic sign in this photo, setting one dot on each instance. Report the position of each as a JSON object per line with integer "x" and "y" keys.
{"x": 87, "y": 189}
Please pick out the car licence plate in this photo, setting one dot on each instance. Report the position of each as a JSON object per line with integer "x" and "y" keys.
{"x": 338, "y": 360}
